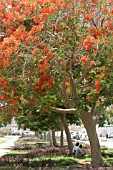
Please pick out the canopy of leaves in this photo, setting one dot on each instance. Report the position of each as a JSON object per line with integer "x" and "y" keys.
{"x": 56, "y": 52}
{"x": 30, "y": 117}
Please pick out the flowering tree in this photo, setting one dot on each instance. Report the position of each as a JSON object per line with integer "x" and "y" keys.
{"x": 58, "y": 53}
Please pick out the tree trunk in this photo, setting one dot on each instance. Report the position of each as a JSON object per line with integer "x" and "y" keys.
{"x": 45, "y": 137}
{"x": 37, "y": 134}
{"x": 61, "y": 136}
{"x": 53, "y": 137}
{"x": 90, "y": 125}
{"x": 64, "y": 121}
{"x": 49, "y": 137}
{"x": 41, "y": 136}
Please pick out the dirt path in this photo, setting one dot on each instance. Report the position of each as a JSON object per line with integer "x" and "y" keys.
{"x": 7, "y": 144}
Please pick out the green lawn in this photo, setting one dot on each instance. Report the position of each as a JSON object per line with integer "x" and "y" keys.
{"x": 41, "y": 154}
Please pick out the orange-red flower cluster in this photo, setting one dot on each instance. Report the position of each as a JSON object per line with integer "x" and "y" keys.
{"x": 16, "y": 111}
{"x": 43, "y": 66}
{"x": 84, "y": 59}
{"x": 90, "y": 99}
{"x": 98, "y": 85}
{"x": 89, "y": 42}
{"x": 3, "y": 82}
{"x": 3, "y": 97}
{"x": 48, "y": 53}
{"x": 43, "y": 82}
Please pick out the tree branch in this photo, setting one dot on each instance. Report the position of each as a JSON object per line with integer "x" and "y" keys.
{"x": 84, "y": 75}
{"x": 60, "y": 110}
{"x": 73, "y": 88}
{"x": 30, "y": 80}
{"x": 63, "y": 74}
{"x": 88, "y": 69}
{"x": 31, "y": 100}
{"x": 99, "y": 114}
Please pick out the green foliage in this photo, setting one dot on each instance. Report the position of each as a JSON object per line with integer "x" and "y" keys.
{"x": 106, "y": 118}
{"x": 37, "y": 119}
{"x": 72, "y": 119}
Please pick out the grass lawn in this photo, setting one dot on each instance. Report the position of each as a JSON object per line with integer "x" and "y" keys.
{"x": 12, "y": 168}
{"x": 28, "y": 155}
{"x": 2, "y": 141}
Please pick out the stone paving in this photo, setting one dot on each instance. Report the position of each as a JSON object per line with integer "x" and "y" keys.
{"x": 8, "y": 143}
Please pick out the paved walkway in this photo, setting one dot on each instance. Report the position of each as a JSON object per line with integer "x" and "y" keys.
{"x": 8, "y": 143}
{"x": 108, "y": 143}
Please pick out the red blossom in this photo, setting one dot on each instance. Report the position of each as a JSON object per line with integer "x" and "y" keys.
{"x": 44, "y": 109}
{"x": 34, "y": 51}
{"x": 3, "y": 83}
{"x": 42, "y": 44}
{"x": 3, "y": 97}
{"x": 84, "y": 59}
{"x": 97, "y": 85}
{"x": 16, "y": 111}
{"x": 5, "y": 63}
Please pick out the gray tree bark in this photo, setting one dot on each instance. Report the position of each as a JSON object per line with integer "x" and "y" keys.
{"x": 69, "y": 141}
{"x": 61, "y": 136}
{"x": 53, "y": 137}
{"x": 90, "y": 125}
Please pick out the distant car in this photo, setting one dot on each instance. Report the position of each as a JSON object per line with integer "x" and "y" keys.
{"x": 20, "y": 132}
{"x": 110, "y": 135}
{"x": 83, "y": 135}
{"x": 28, "y": 133}
{"x": 14, "y": 132}
{"x": 77, "y": 136}
{"x": 73, "y": 134}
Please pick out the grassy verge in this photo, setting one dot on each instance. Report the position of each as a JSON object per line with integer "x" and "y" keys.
{"x": 2, "y": 141}
{"x": 28, "y": 153}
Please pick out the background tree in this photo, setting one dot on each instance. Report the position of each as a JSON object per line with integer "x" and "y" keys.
{"x": 106, "y": 118}
{"x": 37, "y": 120}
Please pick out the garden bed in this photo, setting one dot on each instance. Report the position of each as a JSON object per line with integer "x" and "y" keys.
{"x": 28, "y": 154}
